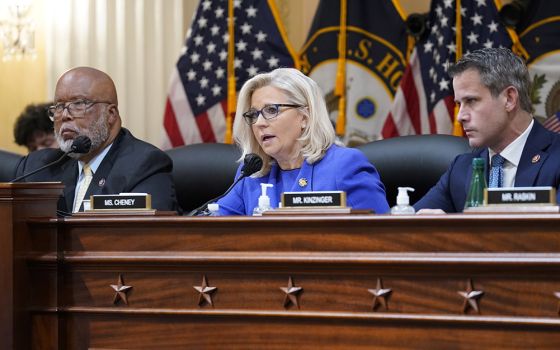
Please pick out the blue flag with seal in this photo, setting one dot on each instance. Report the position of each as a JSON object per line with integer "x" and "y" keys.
{"x": 539, "y": 35}
{"x": 357, "y": 52}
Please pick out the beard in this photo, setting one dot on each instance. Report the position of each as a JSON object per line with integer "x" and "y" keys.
{"x": 98, "y": 133}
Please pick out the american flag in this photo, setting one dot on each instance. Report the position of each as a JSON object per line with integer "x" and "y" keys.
{"x": 196, "y": 105}
{"x": 424, "y": 102}
{"x": 553, "y": 122}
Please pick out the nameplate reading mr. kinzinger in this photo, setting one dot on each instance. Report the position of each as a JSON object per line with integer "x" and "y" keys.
{"x": 332, "y": 199}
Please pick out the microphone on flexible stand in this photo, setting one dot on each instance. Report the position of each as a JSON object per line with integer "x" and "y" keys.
{"x": 251, "y": 164}
{"x": 81, "y": 144}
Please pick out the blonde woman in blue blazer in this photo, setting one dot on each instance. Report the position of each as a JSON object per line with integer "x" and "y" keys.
{"x": 282, "y": 117}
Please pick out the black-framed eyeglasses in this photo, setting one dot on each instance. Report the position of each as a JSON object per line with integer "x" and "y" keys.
{"x": 268, "y": 112}
{"x": 76, "y": 108}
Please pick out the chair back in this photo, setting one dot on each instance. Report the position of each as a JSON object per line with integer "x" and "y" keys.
{"x": 416, "y": 161}
{"x": 8, "y": 164}
{"x": 202, "y": 171}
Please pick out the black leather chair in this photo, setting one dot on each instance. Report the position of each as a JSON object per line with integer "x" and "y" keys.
{"x": 202, "y": 171}
{"x": 8, "y": 164}
{"x": 416, "y": 161}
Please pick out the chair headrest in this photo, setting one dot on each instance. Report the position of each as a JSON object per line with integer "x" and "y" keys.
{"x": 416, "y": 161}
{"x": 202, "y": 171}
{"x": 8, "y": 164}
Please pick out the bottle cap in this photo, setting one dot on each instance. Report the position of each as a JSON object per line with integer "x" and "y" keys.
{"x": 402, "y": 197}
{"x": 478, "y": 162}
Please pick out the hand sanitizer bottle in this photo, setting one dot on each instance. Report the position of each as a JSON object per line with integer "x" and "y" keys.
{"x": 264, "y": 201}
{"x": 403, "y": 206}
{"x": 213, "y": 209}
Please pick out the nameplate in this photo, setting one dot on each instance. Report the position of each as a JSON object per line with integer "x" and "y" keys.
{"x": 128, "y": 201}
{"x": 331, "y": 199}
{"x": 521, "y": 195}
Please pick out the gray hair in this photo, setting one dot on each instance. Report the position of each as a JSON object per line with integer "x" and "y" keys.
{"x": 498, "y": 69}
{"x": 318, "y": 134}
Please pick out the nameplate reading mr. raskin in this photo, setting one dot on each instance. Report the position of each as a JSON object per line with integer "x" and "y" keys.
{"x": 336, "y": 199}
{"x": 522, "y": 195}
{"x": 121, "y": 201}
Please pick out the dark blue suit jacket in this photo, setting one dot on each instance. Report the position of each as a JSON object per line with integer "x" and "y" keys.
{"x": 341, "y": 169}
{"x": 450, "y": 192}
{"x": 131, "y": 165}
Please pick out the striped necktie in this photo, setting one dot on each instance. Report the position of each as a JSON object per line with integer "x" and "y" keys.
{"x": 497, "y": 171}
{"x": 88, "y": 175}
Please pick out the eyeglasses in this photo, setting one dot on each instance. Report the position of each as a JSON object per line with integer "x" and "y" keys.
{"x": 76, "y": 109}
{"x": 268, "y": 112}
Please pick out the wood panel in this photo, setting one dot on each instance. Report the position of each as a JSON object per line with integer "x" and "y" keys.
{"x": 420, "y": 268}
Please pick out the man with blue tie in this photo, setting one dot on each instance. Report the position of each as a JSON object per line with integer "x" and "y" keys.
{"x": 491, "y": 88}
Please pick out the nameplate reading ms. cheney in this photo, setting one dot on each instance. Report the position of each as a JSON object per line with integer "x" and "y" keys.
{"x": 123, "y": 201}
{"x": 331, "y": 199}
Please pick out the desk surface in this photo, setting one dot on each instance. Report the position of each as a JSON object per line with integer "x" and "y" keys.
{"x": 451, "y": 281}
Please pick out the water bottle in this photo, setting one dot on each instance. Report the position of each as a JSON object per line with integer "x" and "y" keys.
{"x": 475, "y": 196}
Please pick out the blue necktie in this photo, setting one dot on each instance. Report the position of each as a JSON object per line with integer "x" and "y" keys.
{"x": 497, "y": 171}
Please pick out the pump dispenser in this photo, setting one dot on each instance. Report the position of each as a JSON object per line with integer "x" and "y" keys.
{"x": 403, "y": 206}
{"x": 264, "y": 201}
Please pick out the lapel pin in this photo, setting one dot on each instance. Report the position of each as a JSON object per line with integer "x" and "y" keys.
{"x": 302, "y": 182}
{"x": 101, "y": 182}
{"x": 535, "y": 158}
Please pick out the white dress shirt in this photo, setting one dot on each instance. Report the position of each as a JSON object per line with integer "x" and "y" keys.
{"x": 93, "y": 164}
{"x": 512, "y": 154}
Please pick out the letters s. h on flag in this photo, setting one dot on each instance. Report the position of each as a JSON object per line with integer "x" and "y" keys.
{"x": 424, "y": 103}
{"x": 196, "y": 104}
{"x": 373, "y": 59}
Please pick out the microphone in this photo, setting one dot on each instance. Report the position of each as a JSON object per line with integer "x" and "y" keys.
{"x": 251, "y": 164}
{"x": 81, "y": 144}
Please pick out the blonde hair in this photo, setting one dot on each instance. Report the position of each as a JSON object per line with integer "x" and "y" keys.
{"x": 318, "y": 134}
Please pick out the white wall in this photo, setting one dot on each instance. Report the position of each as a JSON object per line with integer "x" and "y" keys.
{"x": 136, "y": 42}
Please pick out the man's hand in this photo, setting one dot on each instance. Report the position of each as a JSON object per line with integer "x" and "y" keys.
{"x": 430, "y": 212}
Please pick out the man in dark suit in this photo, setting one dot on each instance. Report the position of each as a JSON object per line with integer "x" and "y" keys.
{"x": 492, "y": 91}
{"x": 86, "y": 104}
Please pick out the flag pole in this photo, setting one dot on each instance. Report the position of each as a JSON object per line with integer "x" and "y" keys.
{"x": 457, "y": 128}
{"x": 231, "y": 89}
{"x": 340, "y": 86}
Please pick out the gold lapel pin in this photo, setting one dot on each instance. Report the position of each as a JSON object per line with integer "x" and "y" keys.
{"x": 302, "y": 182}
{"x": 535, "y": 158}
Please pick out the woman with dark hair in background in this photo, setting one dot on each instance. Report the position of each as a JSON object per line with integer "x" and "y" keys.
{"x": 33, "y": 128}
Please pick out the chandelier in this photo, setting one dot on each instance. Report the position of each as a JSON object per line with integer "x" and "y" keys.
{"x": 17, "y": 31}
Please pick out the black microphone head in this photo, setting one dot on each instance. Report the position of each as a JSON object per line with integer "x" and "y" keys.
{"x": 81, "y": 144}
{"x": 251, "y": 164}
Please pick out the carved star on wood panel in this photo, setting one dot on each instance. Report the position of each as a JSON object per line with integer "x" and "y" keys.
{"x": 557, "y": 295}
{"x": 120, "y": 291}
{"x": 292, "y": 293}
{"x": 205, "y": 292}
{"x": 471, "y": 297}
{"x": 381, "y": 296}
